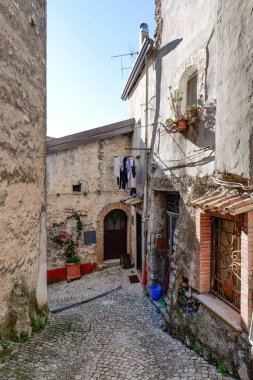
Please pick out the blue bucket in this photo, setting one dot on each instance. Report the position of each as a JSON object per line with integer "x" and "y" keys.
{"x": 155, "y": 292}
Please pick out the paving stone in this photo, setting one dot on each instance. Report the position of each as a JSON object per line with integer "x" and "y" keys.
{"x": 114, "y": 337}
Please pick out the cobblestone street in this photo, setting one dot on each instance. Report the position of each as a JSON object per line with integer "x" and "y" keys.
{"x": 118, "y": 336}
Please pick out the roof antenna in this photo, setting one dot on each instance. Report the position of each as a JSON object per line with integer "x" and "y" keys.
{"x": 121, "y": 60}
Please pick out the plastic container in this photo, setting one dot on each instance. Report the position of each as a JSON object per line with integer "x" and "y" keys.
{"x": 155, "y": 292}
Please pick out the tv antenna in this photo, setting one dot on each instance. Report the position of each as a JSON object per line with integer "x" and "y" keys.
{"x": 121, "y": 60}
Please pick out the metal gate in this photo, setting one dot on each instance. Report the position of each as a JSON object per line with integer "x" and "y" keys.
{"x": 172, "y": 218}
{"x": 226, "y": 260}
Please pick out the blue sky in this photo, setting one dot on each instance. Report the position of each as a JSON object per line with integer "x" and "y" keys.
{"x": 84, "y": 84}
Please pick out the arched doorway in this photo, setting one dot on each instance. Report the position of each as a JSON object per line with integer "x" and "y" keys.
{"x": 115, "y": 234}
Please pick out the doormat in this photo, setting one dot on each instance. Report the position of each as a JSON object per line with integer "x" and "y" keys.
{"x": 133, "y": 279}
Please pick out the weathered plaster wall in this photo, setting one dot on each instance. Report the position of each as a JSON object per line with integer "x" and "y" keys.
{"x": 185, "y": 47}
{"x": 182, "y": 162}
{"x": 235, "y": 96}
{"x": 92, "y": 166}
{"x": 214, "y": 39}
{"x": 22, "y": 163}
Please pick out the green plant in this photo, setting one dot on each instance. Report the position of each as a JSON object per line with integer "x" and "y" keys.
{"x": 101, "y": 268}
{"x": 5, "y": 350}
{"x": 5, "y": 346}
{"x": 175, "y": 98}
{"x": 169, "y": 122}
{"x": 222, "y": 368}
{"x": 24, "y": 336}
{"x": 69, "y": 241}
{"x": 73, "y": 259}
{"x": 196, "y": 348}
{"x": 69, "y": 248}
{"x": 37, "y": 325}
{"x": 191, "y": 108}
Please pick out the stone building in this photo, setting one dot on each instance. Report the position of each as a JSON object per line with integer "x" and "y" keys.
{"x": 194, "y": 229}
{"x": 80, "y": 178}
{"x": 23, "y": 294}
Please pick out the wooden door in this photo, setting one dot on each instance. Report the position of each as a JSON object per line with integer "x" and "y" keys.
{"x": 115, "y": 234}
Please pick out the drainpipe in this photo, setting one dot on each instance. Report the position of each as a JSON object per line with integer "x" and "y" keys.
{"x": 144, "y": 265}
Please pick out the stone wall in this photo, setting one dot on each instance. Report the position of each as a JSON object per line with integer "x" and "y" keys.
{"x": 22, "y": 157}
{"x": 90, "y": 165}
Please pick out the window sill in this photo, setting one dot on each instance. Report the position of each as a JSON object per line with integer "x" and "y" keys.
{"x": 220, "y": 308}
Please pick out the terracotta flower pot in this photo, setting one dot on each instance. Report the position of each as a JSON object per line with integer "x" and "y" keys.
{"x": 194, "y": 113}
{"x": 181, "y": 124}
{"x": 73, "y": 271}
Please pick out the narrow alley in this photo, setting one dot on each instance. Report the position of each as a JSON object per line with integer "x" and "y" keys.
{"x": 116, "y": 336}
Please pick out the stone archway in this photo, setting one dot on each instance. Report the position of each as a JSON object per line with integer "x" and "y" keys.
{"x": 100, "y": 228}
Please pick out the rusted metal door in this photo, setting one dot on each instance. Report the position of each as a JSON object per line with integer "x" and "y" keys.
{"x": 115, "y": 234}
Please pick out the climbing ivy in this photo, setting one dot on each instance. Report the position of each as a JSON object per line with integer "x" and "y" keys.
{"x": 68, "y": 241}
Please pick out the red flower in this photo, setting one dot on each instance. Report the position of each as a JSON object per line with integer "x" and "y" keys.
{"x": 62, "y": 235}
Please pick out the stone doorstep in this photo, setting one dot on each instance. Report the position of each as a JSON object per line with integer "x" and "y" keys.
{"x": 111, "y": 263}
{"x": 221, "y": 309}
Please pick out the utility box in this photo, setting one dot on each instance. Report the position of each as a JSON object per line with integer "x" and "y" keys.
{"x": 160, "y": 241}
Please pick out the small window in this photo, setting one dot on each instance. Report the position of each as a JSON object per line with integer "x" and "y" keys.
{"x": 192, "y": 90}
{"x": 76, "y": 188}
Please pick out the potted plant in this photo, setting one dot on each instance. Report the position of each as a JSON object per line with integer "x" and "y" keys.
{"x": 72, "y": 261}
{"x": 175, "y": 99}
{"x": 68, "y": 239}
{"x": 181, "y": 123}
{"x": 192, "y": 111}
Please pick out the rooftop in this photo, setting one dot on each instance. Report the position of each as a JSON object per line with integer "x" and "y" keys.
{"x": 55, "y": 145}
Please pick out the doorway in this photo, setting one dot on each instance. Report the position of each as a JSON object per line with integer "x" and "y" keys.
{"x": 115, "y": 234}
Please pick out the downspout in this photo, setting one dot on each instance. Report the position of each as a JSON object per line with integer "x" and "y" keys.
{"x": 144, "y": 265}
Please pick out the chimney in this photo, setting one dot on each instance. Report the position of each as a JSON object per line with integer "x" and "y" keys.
{"x": 143, "y": 32}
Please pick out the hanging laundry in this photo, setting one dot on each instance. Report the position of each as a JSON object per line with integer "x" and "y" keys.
{"x": 128, "y": 165}
{"x": 116, "y": 167}
{"x": 124, "y": 174}
{"x": 133, "y": 169}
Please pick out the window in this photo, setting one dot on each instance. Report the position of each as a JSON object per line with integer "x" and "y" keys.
{"x": 76, "y": 188}
{"x": 115, "y": 220}
{"x": 192, "y": 90}
{"x": 226, "y": 260}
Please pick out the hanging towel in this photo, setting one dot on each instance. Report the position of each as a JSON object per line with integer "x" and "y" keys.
{"x": 116, "y": 168}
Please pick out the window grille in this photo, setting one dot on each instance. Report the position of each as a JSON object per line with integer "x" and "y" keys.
{"x": 226, "y": 260}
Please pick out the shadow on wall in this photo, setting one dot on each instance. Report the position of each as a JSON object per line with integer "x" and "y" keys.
{"x": 165, "y": 50}
{"x": 202, "y": 133}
